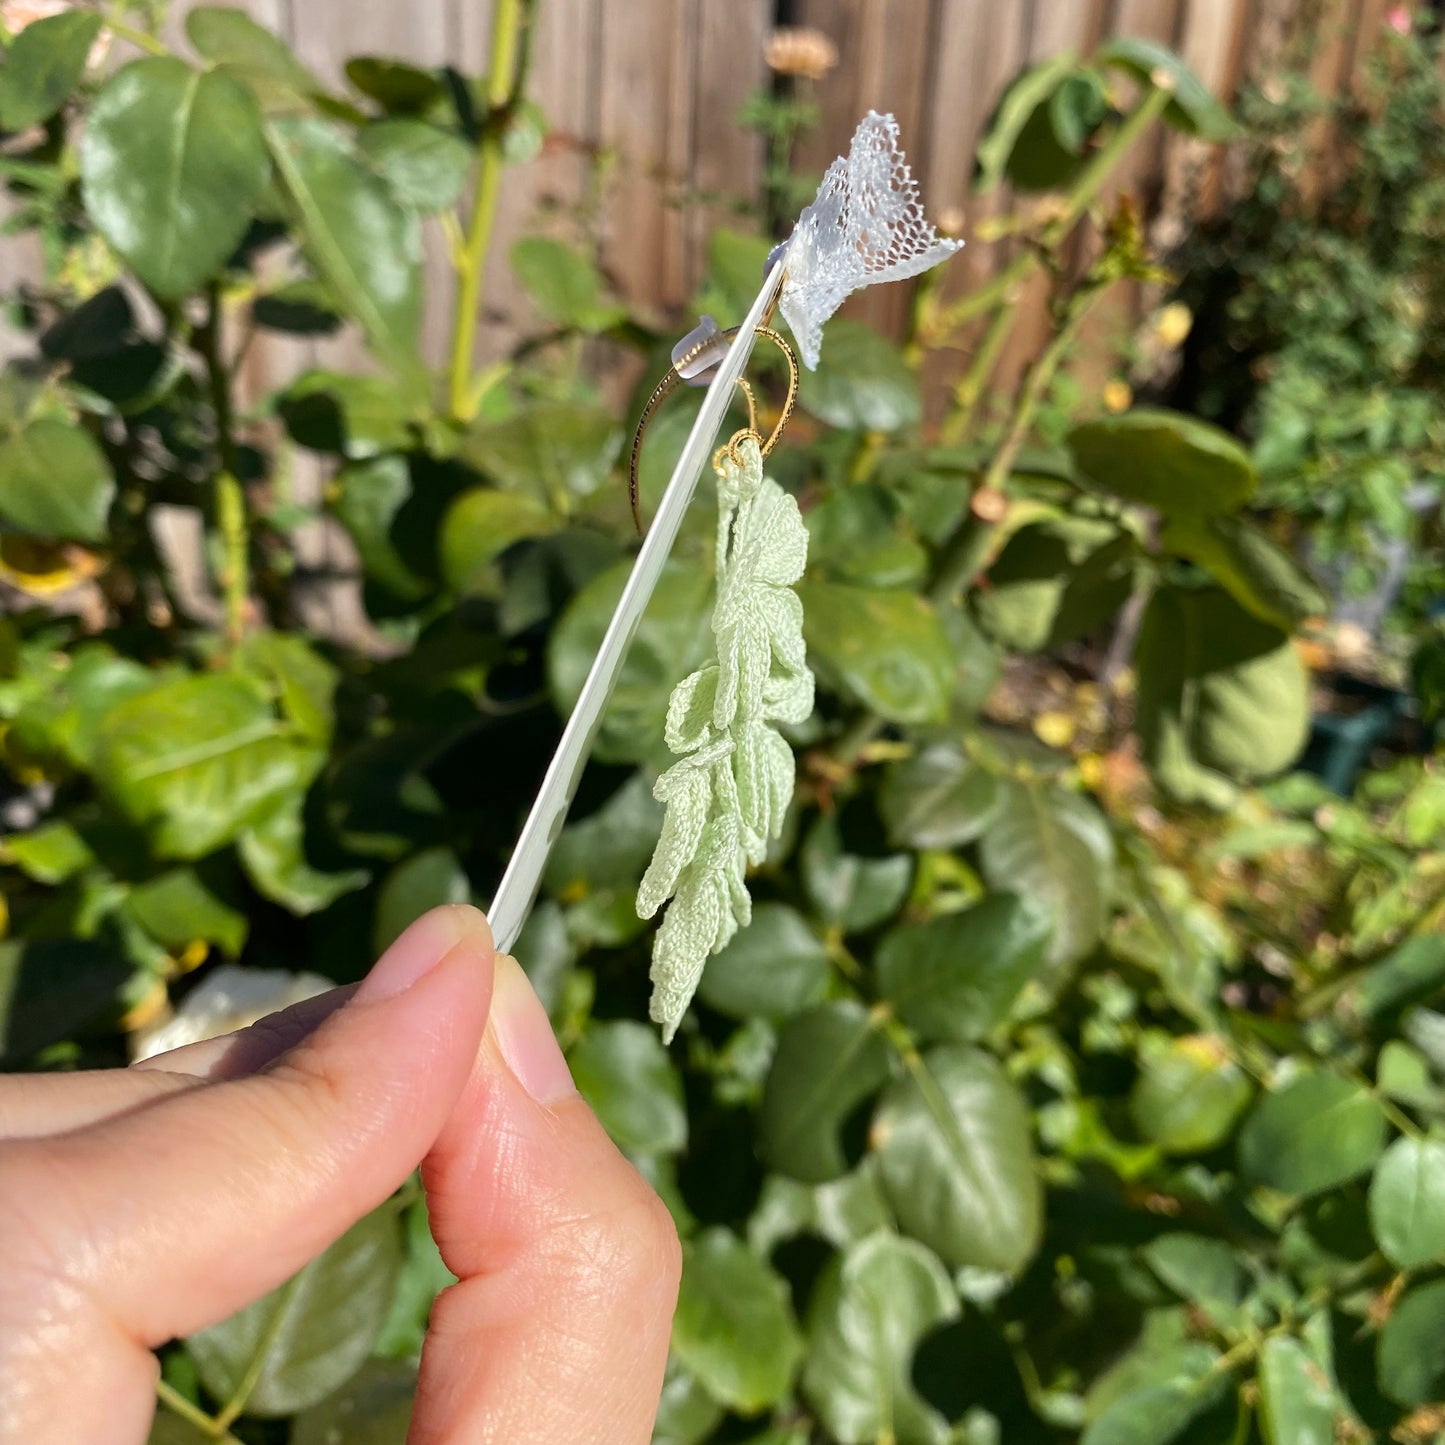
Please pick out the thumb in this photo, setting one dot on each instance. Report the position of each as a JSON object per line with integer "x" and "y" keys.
{"x": 174, "y": 1216}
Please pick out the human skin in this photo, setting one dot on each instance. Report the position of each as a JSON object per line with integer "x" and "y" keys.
{"x": 141, "y": 1204}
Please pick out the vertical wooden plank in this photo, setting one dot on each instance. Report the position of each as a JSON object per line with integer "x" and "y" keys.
{"x": 727, "y": 161}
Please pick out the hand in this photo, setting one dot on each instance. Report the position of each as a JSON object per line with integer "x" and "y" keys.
{"x": 141, "y": 1204}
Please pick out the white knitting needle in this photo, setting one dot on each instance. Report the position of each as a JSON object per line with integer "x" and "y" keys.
{"x": 518, "y": 888}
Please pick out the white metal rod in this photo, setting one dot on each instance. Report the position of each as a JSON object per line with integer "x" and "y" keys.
{"x": 518, "y": 888}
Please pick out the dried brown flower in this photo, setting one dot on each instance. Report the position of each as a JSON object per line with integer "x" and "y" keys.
{"x": 800, "y": 50}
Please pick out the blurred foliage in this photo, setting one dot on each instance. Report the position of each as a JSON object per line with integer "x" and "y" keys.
{"x": 1080, "y": 1078}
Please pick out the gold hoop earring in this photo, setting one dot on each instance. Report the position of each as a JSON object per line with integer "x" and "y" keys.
{"x": 693, "y": 363}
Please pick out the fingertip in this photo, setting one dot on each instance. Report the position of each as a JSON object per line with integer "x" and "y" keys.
{"x": 426, "y": 943}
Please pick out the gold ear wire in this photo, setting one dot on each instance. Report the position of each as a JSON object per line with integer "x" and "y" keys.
{"x": 673, "y": 379}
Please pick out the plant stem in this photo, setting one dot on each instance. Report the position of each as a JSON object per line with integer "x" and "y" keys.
{"x": 230, "y": 497}
{"x": 236, "y": 1405}
{"x": 135, "y": 37}
{"x": 503, "y": 83}
{"x": 969, "y": 391}
{"x": 177, "y": 1404}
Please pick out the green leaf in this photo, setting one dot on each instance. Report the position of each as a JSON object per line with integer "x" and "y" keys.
{"x": 862, "y": 383}
{"x": 1056, "y": 581}
{"x": 372, "y": 1408}
{"x": 230, "y": 38}
{"x": 1193, "y": 109}
{"x": 1054, "y": 847}
{"x": 552, "y": 451}
{"x": 425, "y": 166}
{"x": 1223, "y": 697}
{"x": 1410, "y": 1354}
{"x": 1407, "y": 1202}
{"x": 273, "y": 853}
{"x": 1160, "y": 1414}
{"x": 309, "y": 1337}
{"x": 852, "y": 892}
{"x": 1316, "y": 1132}
{"x": 672, "y": 639}
{"x": 362, "y": 241}
{"x": 624, "y": 1072}
{"x": 51, "y": 989}
{"x": 301, "y": 680}
{"x": 1180, "y": 465}
{"x": 828, "y": 1062}
{"x": 1188, "y": 1095}
{"x": 55, "y": 482}
{"x": 353, "y": 416}
{"x": 870, "y": 1310}
{"x": 478, "y": 527}
{"x": 1260, "y": 575}
{"x": 172, "y": 163}
{"x": 369, "y": 498}
{"x": 686, "y": 1414}
{"x": 1409, "y": 974}
{"x": 43, "y": 65}
{"x": 853, "y": 536}
{"x": 49, "y": 854}
{"x": 953, "y": 978}
{"x": 563, "y": 284}
{"x": 937, "y": 798}
{"x": 1298, "y": 1404}
{"x": 62, "y": 721}
{"x": 734, "y": 1325}
{"x": 424, "y": 881}
{"x": 955, "y": 1148}
{"x": 774, "y": 968}
{"x": 424, "y": 1275}
{"x": 1202, "y": 1271}
{"x": 1026, "y": 93}
{"x": 199, "y": 760}
{"x": 399, "y": 88}
{"x": 736, "y": 265}
{"x": 180, "y": 906}
{"x": 884, "y": 649}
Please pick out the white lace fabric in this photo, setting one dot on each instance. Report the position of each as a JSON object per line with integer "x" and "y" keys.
{"x": 865, "y": 225}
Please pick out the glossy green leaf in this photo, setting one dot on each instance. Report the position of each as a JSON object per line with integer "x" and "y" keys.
{"x": 882, "y": 648}
{"x": 199, "y": 760}
{"x": 1054, "y": 847}
{"x": 853, "y": 536}
{"x": 623, "y": 1071}
{"x": 563, "y": 284}
{"x": 363, "y": 242}
{"x": 55, "y": 482}
{"x": 870, "y": 1310}
{"x": 353, "y": 416}
{"x": 1298, "y": 1404}
{"x": 181, "y": 906}
{"x": 297, "y": 1344}
{"x": 426, "y": 880}
{"x": 302, "y": 682}
{"x": 671, "y": 640}
{"x": 1175, "y": 463}
{"x": 372, "y": 1408}
{"x": 937, "y": 798}
{"x": 1260, "y": 575}
{"x": 171, "y": 163}
{"x": 399, "y": 88}
{"x": 1056, "y": 581}
{"x": 1410, "y": 1353}
{"x": 841, "y": 1211}
{"x": 228, "y": 37}
{"x": 862, "y": 383}
{"x": 1189, "y": 1095}
{"x": 62, "y": 721}
{"x": 43, "y": 65}
{"x": 1407, "y": 1202}
{"x": 1409, "y": 974}
{"x": 734, "y": 1327}
{"x": 955, "y": 1147}
{"x": 774, "y": 968}
{"x": 1202, "y": 1271}
{"x": 829, "y": 1061}
{"x": 552, "y": 451}
{"x": 954, "y": 977}
{"x": 273, "y": 853}
{"x": 851, "y": 891}
{"x": 369, "y": 497}
{"x": 1192, "y": 109}
{"x": 425, "y": 166}
{"x": 49, "y": 854}
{"x": 1161, "y": 1414}
{"x": 686, "y": 1413}
{"x": 1026, "y": 93}
{"x": 1223, "y": 697}
{"x": 478, "y": 527}
{"x": 1317, "y": 1131}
